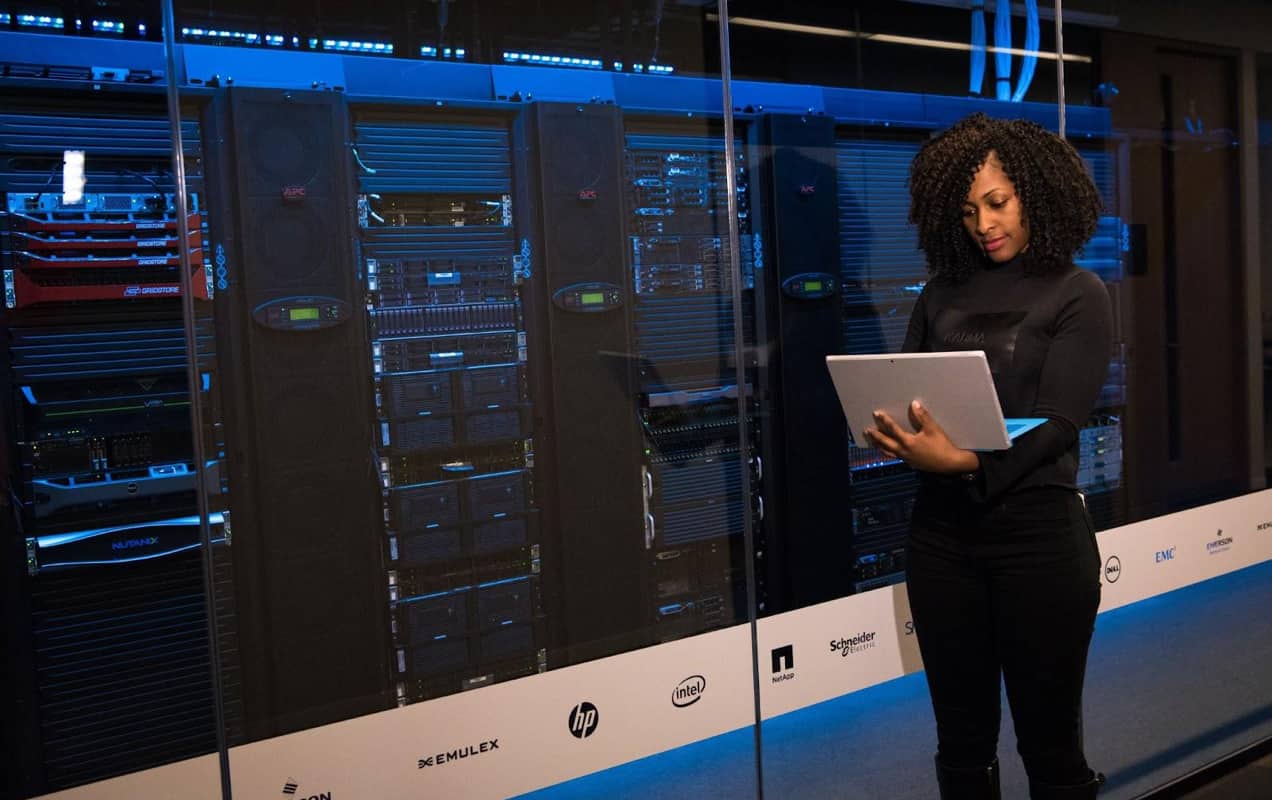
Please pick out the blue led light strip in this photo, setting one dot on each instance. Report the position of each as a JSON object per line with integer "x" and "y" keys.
{"x": 541, "y": 59}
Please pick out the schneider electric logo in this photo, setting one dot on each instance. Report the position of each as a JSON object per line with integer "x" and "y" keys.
{"x": 856, "y": 644}
{"x": 783, "y": 663}
{"x": 466, "y": 751}
{"x": 1219, "y": 544}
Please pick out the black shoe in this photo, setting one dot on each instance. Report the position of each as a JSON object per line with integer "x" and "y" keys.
{"x": 1078, "y": 791}
{"x": 968, "y": 783}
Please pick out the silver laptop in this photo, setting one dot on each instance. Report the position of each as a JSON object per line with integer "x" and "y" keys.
{"x": 956, "y": 388}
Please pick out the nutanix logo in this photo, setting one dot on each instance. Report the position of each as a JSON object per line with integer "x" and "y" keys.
{"x": 130, "y": 544}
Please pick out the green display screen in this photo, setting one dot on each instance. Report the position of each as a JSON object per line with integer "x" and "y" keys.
{"x": 812, "y": 286}
{"x": 302, "y": 314}
{"x": 592, "y": 298}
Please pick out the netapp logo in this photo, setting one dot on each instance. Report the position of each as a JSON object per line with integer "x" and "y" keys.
{"x": 688, "y": 691}
{"x": 1112, "y": 569}
{"x": 846, "y": 647}
{"x": 783, "y": 662}
{"x": 129, "y": 544}
{"x": 1164, "y": 555}
{"x": 292, "y": 786}
{"x": 456, "y": 755}
{"x": 583, "y": 720}
{"x": 1220, "y": 543}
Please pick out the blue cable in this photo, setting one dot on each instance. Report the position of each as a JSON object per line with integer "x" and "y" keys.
{"x": 1033, "y": 38}
{"x": 977, "y": 83}
{"x": 1002, "y": 40}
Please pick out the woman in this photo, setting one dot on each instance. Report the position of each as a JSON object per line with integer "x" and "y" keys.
{"x": 1003, "y": 570}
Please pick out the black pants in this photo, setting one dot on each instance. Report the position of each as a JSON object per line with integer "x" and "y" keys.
{"x": 1010, "y": 588}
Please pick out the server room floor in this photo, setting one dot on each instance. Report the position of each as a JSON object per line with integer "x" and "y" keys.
{"x": 1175, "y": 682}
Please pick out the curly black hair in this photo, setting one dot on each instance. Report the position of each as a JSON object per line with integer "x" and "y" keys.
{"x": 1058, "y": 199}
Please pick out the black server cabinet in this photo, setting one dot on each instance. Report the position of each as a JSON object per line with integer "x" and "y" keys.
{"x": 807, "y": 523}
{"x": 106, "y": 638}
{"x": 579, "y": 317}
{"x": 455, "y": 443}
{"x": 697, "y": 446}
{"x": 303, "y": 485}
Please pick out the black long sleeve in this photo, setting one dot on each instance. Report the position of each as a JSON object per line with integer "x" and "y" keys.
{"x": 1047, "y": 339}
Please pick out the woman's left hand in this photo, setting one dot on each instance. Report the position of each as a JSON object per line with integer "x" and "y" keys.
{"x": 928, "y": 450}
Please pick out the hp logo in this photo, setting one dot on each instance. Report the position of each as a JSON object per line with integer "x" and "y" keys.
{"x": 583, "y": 720}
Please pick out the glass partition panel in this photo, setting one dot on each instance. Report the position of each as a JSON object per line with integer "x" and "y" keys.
{"x": 481, "y": 409}
{"x": 107, "y": 672}
{"x": 844, "y": 98}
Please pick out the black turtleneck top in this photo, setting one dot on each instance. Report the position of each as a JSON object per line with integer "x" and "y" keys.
{"x": 1047, "y": 339}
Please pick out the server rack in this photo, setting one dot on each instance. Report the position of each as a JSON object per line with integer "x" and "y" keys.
{"x": 445, "y": 277}
{"x": 105, "y": 595}
{"x": 688, "y": 375}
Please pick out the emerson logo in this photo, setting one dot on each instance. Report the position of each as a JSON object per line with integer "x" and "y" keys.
{"x": 846, "y": 647}
{"x": 1112, "y": 569}
{"x": 1219, "y": 544}
{"x": 455, "y": 755}
{"x": 583, "y": 720}
{"x": 688, "y": 691}
{"x": 783, "y": 662}
{"x": 291, "y": 790}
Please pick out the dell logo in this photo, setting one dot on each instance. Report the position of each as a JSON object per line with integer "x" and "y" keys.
{"x": 1112, "y": 569}
{"x": 1164, "y": 555}
{"x": 583, "y": 720}
{"x": 688, "y": 691}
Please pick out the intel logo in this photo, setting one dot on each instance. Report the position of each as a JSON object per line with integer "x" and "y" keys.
{"x": 688, "y": 691}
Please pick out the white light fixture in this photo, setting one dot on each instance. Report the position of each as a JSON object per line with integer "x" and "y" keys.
{"x": 889, "y": 38}
{"x": 73, "y": 179}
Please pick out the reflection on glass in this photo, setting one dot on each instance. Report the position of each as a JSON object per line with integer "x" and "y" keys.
{"x": 476, "y": 390}
{"x": 105, "y": 624}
